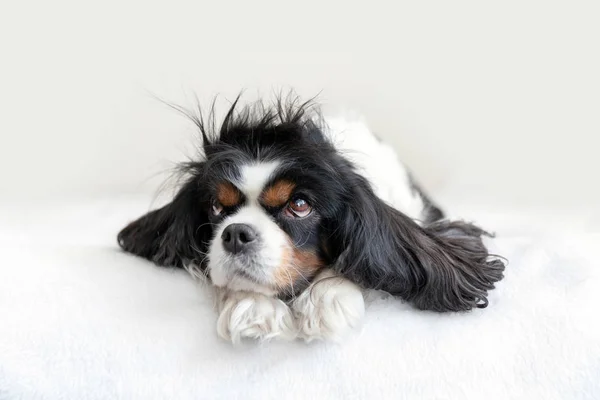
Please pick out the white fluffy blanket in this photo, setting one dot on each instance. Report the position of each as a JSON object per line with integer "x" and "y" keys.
{"x": 81, "y": 320}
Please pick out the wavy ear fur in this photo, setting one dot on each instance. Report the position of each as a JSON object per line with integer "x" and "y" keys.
{"x": 173, "y": 235}
{"x": 443, "y": 266}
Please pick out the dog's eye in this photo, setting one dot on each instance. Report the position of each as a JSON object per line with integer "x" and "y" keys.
{"x": 217, "y": 208}
{"x": 299, "y": 207}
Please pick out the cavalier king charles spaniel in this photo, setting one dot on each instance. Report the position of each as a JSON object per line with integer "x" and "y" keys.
{"x": 290, "y": 216}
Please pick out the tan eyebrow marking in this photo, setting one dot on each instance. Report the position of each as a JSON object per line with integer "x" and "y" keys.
{"x": 278, "y": 194}
{"x": 228, "y": 195}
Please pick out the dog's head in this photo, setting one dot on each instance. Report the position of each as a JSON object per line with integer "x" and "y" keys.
{"x": 258, "y": 210}
{"x": 272, "y": 202}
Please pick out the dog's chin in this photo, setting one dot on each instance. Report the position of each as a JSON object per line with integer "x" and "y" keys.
{"x": 236, "y": 278}
{"x": 239, "y": 283}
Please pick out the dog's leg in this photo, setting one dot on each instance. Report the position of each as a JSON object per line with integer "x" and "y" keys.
{"x": 254, "y": 316}
{"x": 329, "y": 308}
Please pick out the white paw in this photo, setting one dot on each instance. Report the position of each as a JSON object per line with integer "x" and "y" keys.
{"x": 329, "y": 308}
{"x": 254, "y": 316}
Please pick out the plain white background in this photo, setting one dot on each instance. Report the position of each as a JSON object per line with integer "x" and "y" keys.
{"x": 499, "y": 96}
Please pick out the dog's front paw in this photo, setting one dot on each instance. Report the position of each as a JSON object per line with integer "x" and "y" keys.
{"x": 329, "y": 308}
{"x": 253, "y": 316}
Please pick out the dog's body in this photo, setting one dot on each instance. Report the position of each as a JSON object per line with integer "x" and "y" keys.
{"x": 288, "y": 215}
{"x": 379, "y": 164}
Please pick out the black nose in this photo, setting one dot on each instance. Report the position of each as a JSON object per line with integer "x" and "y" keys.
{"x": 238, "y": 238}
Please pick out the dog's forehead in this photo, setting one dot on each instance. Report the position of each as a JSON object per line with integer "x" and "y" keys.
{"x": 258, "y": 183}
{"x": 254, "y": 177}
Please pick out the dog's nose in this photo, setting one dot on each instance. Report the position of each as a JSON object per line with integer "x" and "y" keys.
{"x": 239, "y": 238}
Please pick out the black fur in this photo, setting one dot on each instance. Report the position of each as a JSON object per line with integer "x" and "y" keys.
{"x": 442, "y": 266}
{"x": 175, "y": 234}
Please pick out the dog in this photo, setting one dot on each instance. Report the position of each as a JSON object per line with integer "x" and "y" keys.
{"x": 291, "y": 216}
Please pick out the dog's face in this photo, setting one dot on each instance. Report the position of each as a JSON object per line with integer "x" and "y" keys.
{"x": 272, "y": 202}
{"x": 266, "y": 228}
{"x": 256, "y": 212}
{"x": 269, "y": 196}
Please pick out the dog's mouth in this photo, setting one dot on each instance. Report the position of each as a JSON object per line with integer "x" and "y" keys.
{"x": 244, "y": 274}
{"x": 247, "y": 267}
{"x": 240, "y": 274}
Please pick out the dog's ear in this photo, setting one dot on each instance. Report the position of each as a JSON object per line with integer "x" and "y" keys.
{"x": 444, "y": 266}
{"x": 173, "y": 235}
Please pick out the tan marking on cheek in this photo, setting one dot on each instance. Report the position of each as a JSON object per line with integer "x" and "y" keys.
{"x": 228, "y": 195}
{"x": 297, "y": 264}
{"x": 278, "y": 194}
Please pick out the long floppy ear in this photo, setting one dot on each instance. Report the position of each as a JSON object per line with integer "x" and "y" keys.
{"x": 173, "y": 235}
{"x": 444, "y": 266}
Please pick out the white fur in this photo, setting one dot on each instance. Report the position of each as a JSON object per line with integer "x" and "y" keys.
{"x": 378, "y": 162}
{"x": 254, "y": 177}
{"x": 329, "y": 309}
{"x": 253, "y": 315}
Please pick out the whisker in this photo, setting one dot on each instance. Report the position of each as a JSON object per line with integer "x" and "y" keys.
{"x": 305, "y": 241}
{"x": 201, "y": 225}
{"x": 298, "y": 270}
{"x": 291, "y": 284}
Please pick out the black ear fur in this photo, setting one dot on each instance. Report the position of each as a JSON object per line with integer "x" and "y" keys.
{"x": 443, "y": 266}
{"x": 173, "y": 235}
